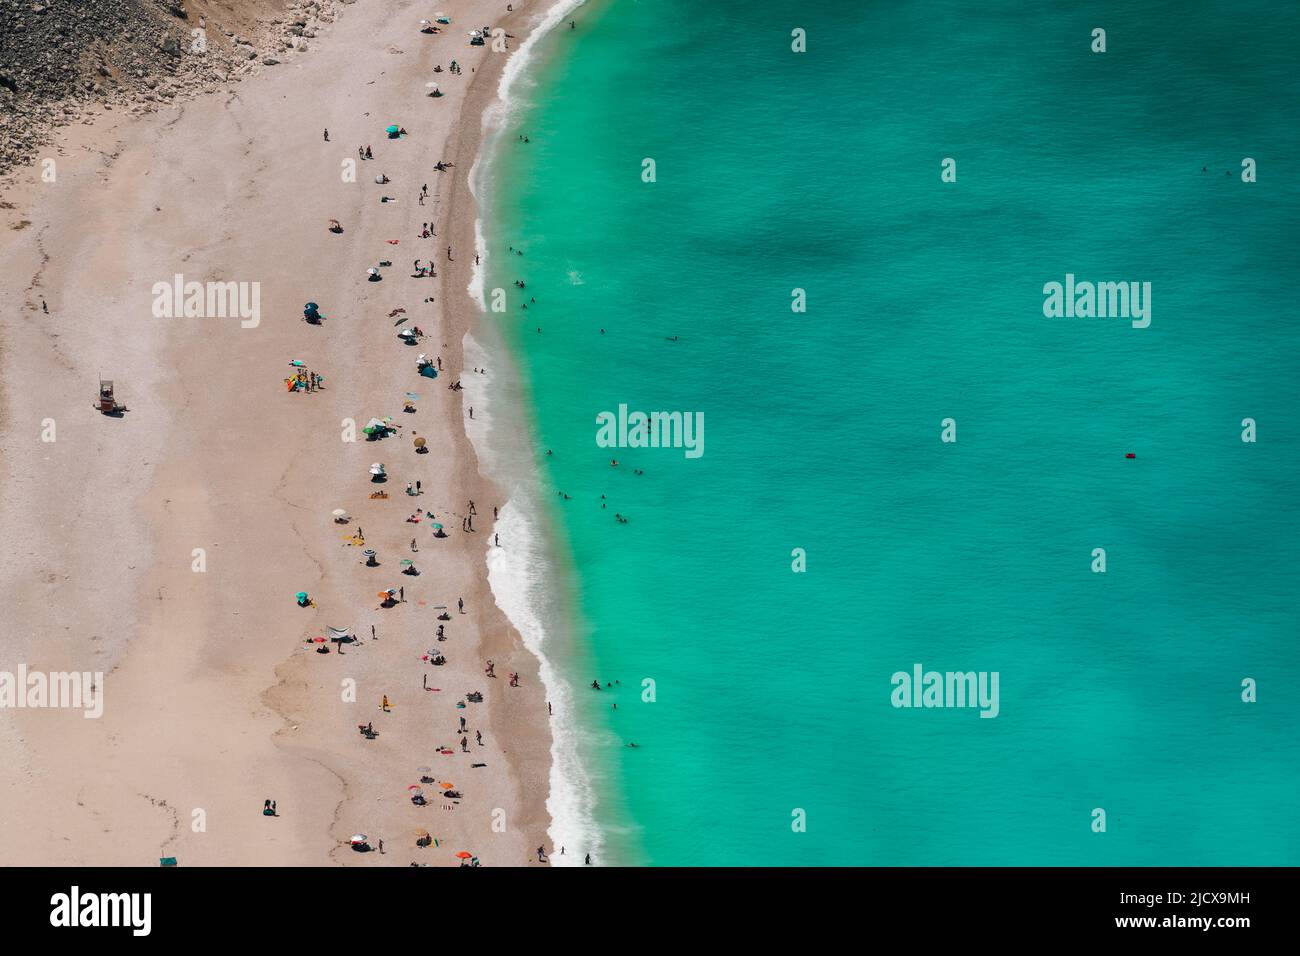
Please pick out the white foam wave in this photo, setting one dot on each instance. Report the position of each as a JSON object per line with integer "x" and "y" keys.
{"x": 518, "y": 572}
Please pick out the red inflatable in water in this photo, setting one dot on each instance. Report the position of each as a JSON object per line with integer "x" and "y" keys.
{"x": 1130, "y": 455}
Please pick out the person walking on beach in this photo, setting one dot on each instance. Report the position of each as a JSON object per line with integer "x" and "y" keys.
{"x": 401, "y": 593}
{"x": 472, "y": 510}
{"x": 490, "y": 670}
{"x": 460, "y": 605}
{"x": 413, "y": 547}
{"x": 541, "y": 854}
{"x": 449, "y": 258}
{"x": 464, "y": 745}
{"x": 327, "y": 135}
{"x": 478, "y": 737}
{"x": 426, "y": 682}
{"x": 384, "y": 705}
{"x": 369, "y": 154}
{"x": 462, "y": 725}
{"x": 588, "y": 859}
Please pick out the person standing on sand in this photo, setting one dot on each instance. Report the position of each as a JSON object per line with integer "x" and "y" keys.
{"x": 327, "y": 135}
{"x": 490, "y": 670}
{"x": 464, "y": 745}
{"x": 478, "y": 736}
{"x": 460, "y": 604}
{"x": 384, "y": 705}
{"x": 449, "y": 258}
{"x": 401, "y": 593}
{"x": 588, "y": 859}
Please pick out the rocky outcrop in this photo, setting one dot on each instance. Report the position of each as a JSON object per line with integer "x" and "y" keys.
{"x": 60, "y": 60}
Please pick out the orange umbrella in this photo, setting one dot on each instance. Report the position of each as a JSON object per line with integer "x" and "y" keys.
{"x": 446, "y": 786}
{"x": 462, "y": 855}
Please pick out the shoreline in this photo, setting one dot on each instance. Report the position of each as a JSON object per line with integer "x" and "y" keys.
{"x": 248, "y": 690}
{"x": 529, "y": 583}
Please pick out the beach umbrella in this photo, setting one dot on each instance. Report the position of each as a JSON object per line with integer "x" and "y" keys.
{"x": 462, "y": 855}
{"x": 412, "y": 396}
{"x": 413, "y": 787}
{"x": 407, "y": 562}
{"x": 447, "y": 785}
{"x": 424, "y": 770}
{"x": 311, "y": 306}
{"x": 438, "y": 527}
{"x": 301, "y": 595}
{"x": 393, "y": 130}
{"x": 377, "y": 468}
{"x": 339, "y": 513}
{"x": 422, "y": 834}
{"x": 359, "y": 838}
{"x": 383, "y": 595}
{"x": 296, "y": 363}
{"x": 420, "y": 443}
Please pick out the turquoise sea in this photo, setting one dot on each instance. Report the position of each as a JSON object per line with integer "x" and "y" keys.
{"x": 821, "y": 171}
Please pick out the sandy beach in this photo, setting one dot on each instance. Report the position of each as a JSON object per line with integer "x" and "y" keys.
{"x": 164, "y": 547}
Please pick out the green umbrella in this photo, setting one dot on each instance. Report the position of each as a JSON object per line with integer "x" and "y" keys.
{"x": 393, "y": 129}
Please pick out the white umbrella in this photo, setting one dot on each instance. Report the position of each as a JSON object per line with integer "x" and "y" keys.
{"x": 339, "y": 513}
{"x": 359, "y": 838}
{"x": 376, "y": 469}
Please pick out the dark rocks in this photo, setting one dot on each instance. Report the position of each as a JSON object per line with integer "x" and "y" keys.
{"x": 60, "y": 59}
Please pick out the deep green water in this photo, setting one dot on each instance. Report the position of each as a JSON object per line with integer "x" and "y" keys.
{"x": 821, "y": 171}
